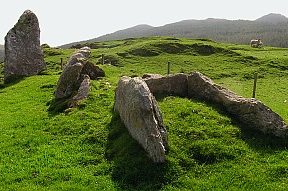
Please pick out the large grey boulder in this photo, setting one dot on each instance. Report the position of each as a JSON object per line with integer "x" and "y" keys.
{"x": 139, "y": 111}
{"x": 23, "y": 54}
{"x": 249, "y": 112}
{"x": 167, "y": 85}
{"x": 74, "y": 73}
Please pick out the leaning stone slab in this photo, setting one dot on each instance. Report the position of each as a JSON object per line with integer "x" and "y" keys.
{"x": 74, "y": 82}
{"x": 82, "y": 93}
{"x": 74, "y": 73}
{"x": 249, "y": 112}
{"x": 167, "y": 85}
{"x": 23, "y": 53}
{"x": 69, "y": 80}
{"x": 139, "y": 111}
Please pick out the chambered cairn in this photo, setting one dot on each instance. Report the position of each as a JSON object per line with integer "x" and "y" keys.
{"x": 138, "y": 108}
{"x": 23, "y": 53}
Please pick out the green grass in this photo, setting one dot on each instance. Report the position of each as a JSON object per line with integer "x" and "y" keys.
{"x": 89, "y": 148}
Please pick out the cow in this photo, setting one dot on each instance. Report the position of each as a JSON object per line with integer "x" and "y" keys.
{"x": 256, "y": 43}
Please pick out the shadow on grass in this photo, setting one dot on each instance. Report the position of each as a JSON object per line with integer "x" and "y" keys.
{"x": 57, "y": 106}
{"x": 257, "y": 140}
{"x": 261, "y": 142}
{"x": 133, "y": 170}
{"x": 11, "y": 82}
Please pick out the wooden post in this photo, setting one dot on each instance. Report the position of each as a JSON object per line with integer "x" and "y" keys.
{"x": 255, "y": 83}
{"x": 168, "y": 70}
{"x": 61, "y": 63}
{"x": 103, "y": 60}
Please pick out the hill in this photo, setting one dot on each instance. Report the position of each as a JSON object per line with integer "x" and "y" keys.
{"x": 273, "y": 18}
{"x": 136, "y": 31}
{"x": 88, "y": 148}
{"x": 2, "y": 53}
{"x": 272, "y": 29}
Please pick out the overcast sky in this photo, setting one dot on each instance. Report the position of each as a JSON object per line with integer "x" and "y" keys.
{"x": 65, "y": 21}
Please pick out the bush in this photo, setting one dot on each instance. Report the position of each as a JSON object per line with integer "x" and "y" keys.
{"x": 144, "y": 52}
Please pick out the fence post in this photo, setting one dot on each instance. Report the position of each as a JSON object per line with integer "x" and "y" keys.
{"x": 103, "y": 60}
{"x": 168, "y": 70}
{"x": 61, "y": 63}
{"x": 255, "y": 83}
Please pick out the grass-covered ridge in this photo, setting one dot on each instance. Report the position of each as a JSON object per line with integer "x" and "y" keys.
{"x": 88, "y": 148}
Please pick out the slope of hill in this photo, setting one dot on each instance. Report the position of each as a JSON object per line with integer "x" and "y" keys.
{"x": 272, "y": 18}
{"x": 2, "y": 53}
{"x": 88, "y": 148}
{"x": 137, "y": 31}
{"x": 272, "y": 29}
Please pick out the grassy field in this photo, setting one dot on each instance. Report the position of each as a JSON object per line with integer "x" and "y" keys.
{"x": 89, "y": 148}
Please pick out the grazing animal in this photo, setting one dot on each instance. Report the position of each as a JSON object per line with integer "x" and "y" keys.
{"x": 256, "y": 43}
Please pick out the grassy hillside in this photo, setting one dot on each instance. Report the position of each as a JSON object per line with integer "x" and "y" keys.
{"x": 88, "y": 148}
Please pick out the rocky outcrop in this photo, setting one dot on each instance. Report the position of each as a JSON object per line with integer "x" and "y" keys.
{"x": 167, "y": 85}
{"x": 23, "y": 54}
{"x": 250, "y": 112}
{"x": 73, "y": 74}
{"x": 139, "y": 111}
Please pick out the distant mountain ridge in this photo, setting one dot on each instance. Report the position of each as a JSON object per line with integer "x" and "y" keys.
{"x": 271, "y": 28}
{"x": 272, "y": 18}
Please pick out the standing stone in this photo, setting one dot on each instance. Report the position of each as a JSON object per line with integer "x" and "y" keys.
{"x": 138, "y": 110}
{"x": 23, "y": 53}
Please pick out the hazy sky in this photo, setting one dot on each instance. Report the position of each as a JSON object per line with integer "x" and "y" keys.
{"x": 65, "y": 21}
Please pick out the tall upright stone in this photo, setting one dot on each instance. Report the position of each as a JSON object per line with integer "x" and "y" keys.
{"x": 23, "y": 54}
